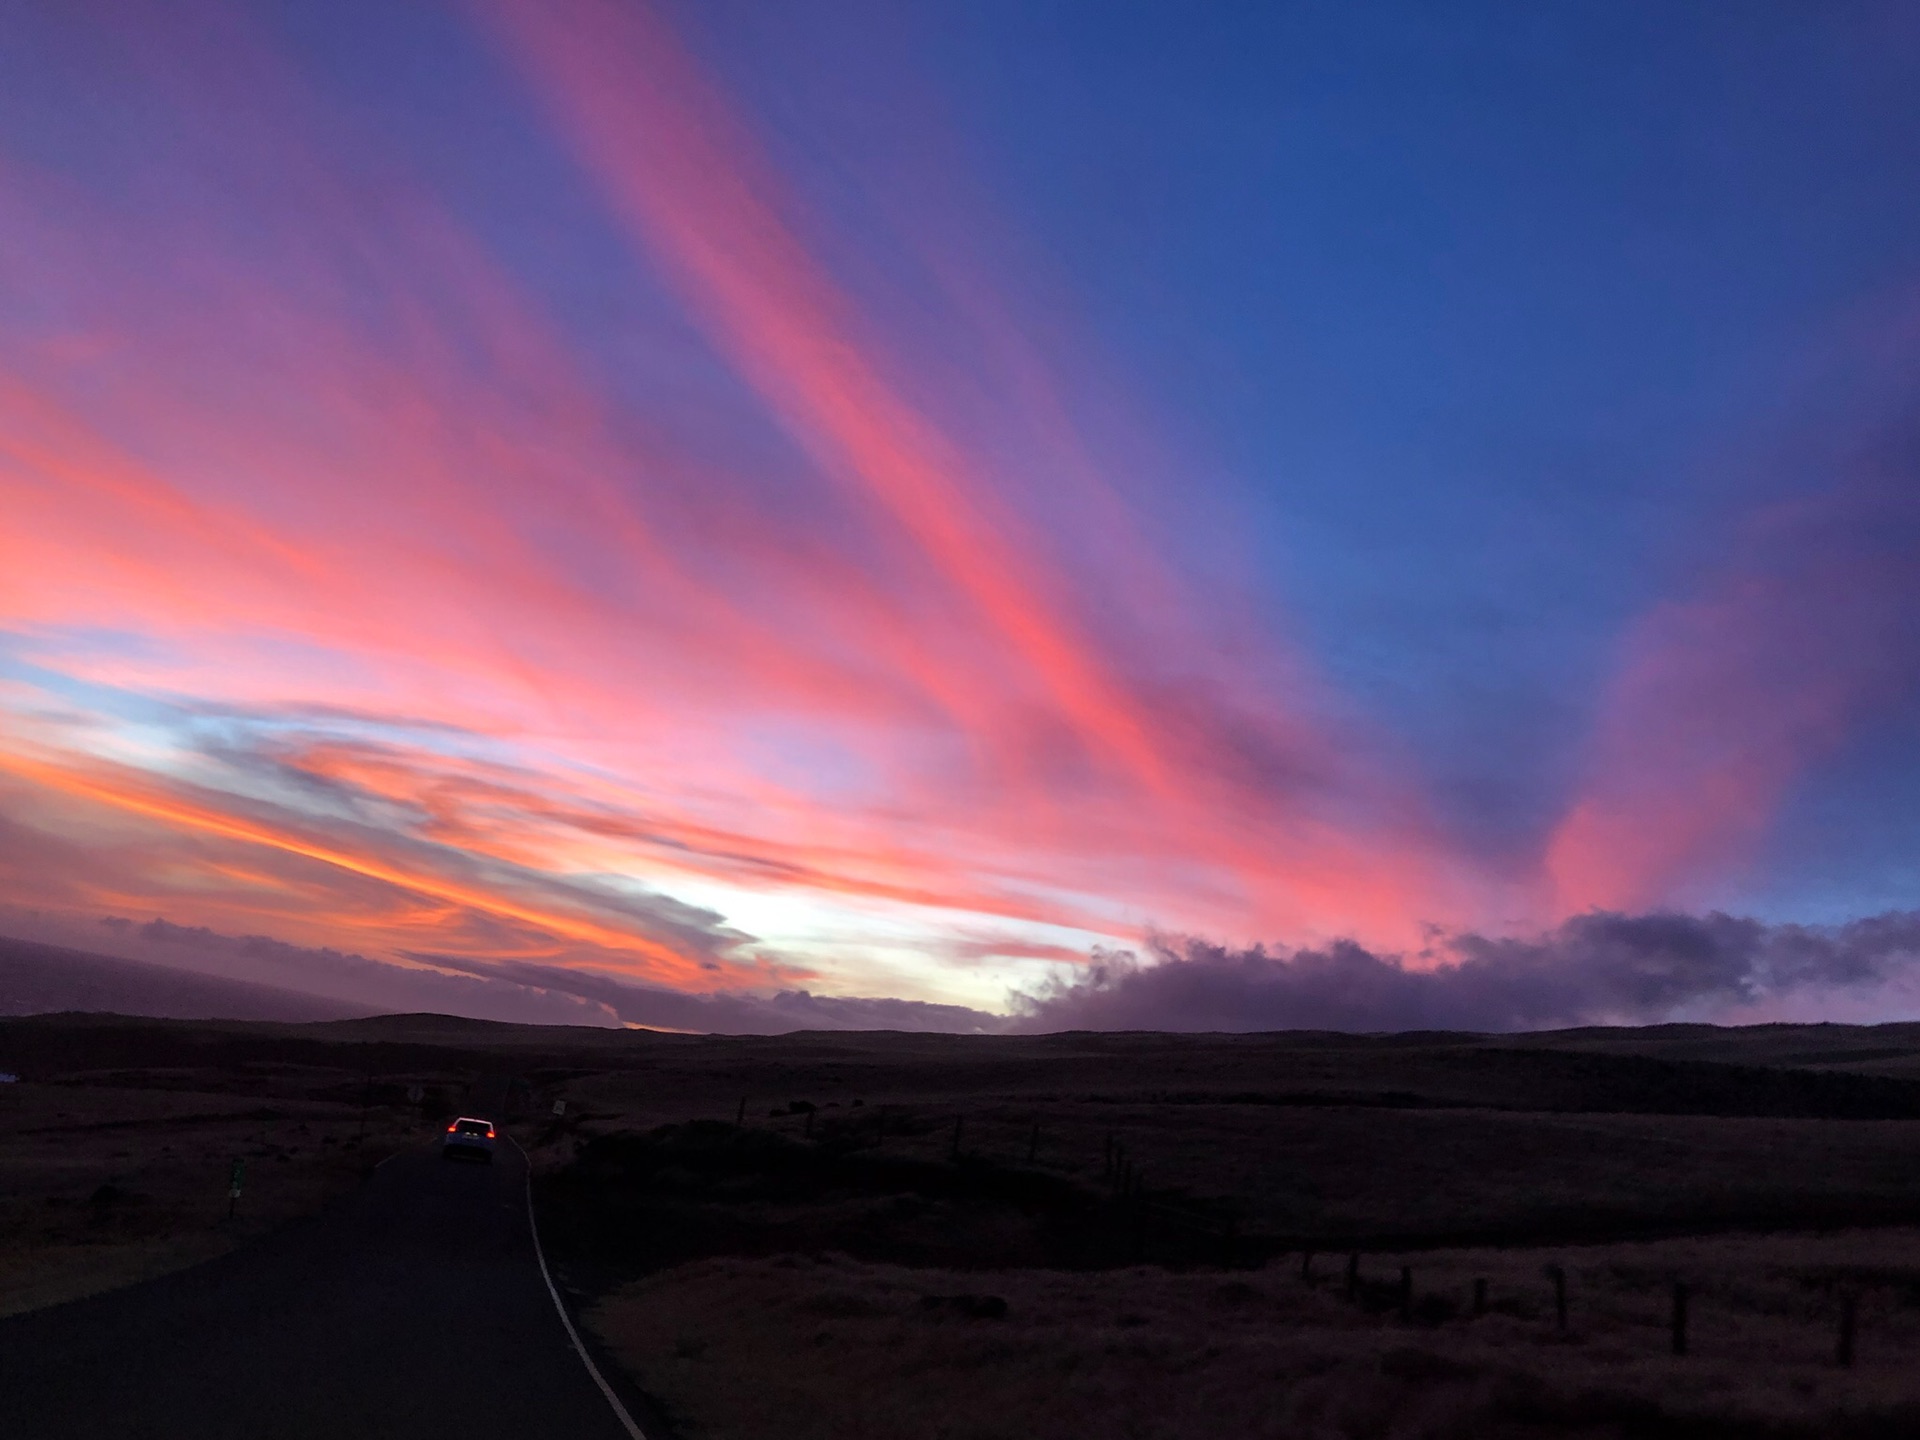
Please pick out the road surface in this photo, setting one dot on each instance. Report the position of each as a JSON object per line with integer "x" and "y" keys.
{"x": 415, "y": 1309}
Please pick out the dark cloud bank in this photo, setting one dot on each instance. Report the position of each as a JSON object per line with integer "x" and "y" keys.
{"x": 728, "y": 1013}
{"x": 1593, "y": 969}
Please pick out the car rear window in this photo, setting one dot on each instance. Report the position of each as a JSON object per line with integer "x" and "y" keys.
{"x": 474, "y": 1127}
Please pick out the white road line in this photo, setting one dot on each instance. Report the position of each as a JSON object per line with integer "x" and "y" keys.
{"x": 619, "y": 1410}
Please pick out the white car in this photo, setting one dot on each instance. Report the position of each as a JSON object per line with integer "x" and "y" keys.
{"x": 468, "y": 1139}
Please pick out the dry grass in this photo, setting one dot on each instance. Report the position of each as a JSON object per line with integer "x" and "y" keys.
{"x": 1341, "y": 1171}
{"x": 833, "y": 1349}
{"x": 105, "y": 1185}
{"x": 1305, "y": 1135}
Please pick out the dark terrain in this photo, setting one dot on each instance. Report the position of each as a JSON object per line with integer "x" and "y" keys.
{"x": 413, "y": 1309}
{"x": 912, "y": 1235}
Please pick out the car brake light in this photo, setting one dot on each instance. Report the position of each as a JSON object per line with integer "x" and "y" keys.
{"x": 452, "y": 1128}
{"x": 489, "y": 1132}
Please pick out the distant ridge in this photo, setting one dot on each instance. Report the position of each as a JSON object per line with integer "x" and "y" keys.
{"x": 40, "y": 979}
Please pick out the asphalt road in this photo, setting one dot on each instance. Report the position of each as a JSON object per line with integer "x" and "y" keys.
{"x": 415, "y": 1309}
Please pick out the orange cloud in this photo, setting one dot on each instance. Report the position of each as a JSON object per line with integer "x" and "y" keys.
{"x": 139, "y": 795}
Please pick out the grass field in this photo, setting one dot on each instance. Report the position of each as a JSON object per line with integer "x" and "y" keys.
{"x": 1080, "y": 1235}
{"x": 827, "y": 1348}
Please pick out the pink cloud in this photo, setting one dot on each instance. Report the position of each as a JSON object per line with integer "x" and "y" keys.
{"x": 1724, "y": 701}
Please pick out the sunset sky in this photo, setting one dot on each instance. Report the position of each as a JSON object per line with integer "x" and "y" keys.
{"x": 888, "y": 499}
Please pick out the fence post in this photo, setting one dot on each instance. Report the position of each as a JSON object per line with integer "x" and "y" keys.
{"x": 1679, "y": 1317}
{"x": 1559, "y": 1278}
{"x": 740, "y": 1116}
{"x": 1849, "y": 1314}
{"x": 1406, "y": 1292}
{"x": 958, "y": 1120}
{"x": 1480, "y": 1296}
{"x": 1306, "y": 1266}
{"x": 1033, "y": 1142}
{"x": 1353, "y": 1274}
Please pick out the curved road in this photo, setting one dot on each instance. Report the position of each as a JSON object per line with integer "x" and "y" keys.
{"x": 414, "y": 1309}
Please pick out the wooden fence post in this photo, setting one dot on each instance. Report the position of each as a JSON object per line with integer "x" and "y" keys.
{"x": 1480, "y": 1296}
{"x": 1679, "y": 1317}
{"x": 1849, "y": 1314}
{"x": 1559, "y": 1278}
{"x": 1406, "y": 1292}
{"x": 1033, "y": 1142}
{"x": 740, "y": 1119}
{"x": 1306, "y": 1266}
{"x": 1353, "y": 1274}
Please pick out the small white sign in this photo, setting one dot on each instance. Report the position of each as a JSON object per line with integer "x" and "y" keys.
{"x": 559, "y": 1107}
{"x": 8, "y": 1079}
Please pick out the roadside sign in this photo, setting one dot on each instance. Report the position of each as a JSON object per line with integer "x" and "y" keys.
{"x": 415, "y": 1094}
{"x": 559, "y": 1107}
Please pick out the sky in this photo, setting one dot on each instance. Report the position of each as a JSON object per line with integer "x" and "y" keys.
{"x": 722, "y": 515}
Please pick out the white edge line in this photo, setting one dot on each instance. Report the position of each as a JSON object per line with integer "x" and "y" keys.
{"x": 619, "y": 1410}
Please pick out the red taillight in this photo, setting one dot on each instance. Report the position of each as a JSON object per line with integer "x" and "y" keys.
{"x": 489, "y": 1132}
{"x": 452, "y": 1128}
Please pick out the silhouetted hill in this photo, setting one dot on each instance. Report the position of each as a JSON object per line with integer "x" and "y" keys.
{"x": 40, "y": 979}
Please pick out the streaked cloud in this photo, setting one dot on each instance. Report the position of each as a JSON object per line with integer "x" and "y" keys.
{"x": 1807, "y": 628}
{"x": 738, "y": 632}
